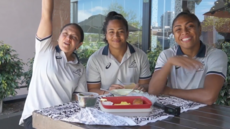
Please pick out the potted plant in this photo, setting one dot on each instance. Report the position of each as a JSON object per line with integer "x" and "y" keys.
{"x": 153, "y": 55}
{"x": 224, "y": 95}
{"x": 11, "y": 70}
{"x": 84, "y": 55}
{"x": 28, "y": 74}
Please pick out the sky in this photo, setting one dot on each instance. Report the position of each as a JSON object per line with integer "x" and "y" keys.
{"x": 87, "y": 8}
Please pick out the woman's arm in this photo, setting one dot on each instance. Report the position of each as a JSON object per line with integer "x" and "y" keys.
{"x": 214, "y": 80}
{"x": 45, "y": 26}
{"x": 96, "y": 88}
{"x": 159, "y": 78}
{"x": 207, "y": 95}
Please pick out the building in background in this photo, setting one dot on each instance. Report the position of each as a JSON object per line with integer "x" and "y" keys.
{"x": 167, "y": 18}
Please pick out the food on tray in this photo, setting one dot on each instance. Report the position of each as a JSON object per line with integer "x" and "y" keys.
{"x": 103, "y": 100}
{"x": 137, "y": 101}
{"x": 130, "y": 86}
{"x": 123, "y": 103}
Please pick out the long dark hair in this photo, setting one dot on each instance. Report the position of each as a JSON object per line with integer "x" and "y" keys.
{"x": 186, "y": 12}
{"x": 78, "y": 28}
{"x": 113, "y": 16}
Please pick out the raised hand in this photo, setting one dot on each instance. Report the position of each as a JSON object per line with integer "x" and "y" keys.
{"x": 185, "y": 62}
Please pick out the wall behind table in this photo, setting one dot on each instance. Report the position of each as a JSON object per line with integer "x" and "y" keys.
{"x": 19, "y": 23}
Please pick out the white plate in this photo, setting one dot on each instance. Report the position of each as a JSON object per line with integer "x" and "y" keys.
{"x": 123, "y": 92}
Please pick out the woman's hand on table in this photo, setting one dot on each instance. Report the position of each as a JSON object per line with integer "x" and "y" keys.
{"x": 116, "y": 86}
{"x": 142, "y": 87}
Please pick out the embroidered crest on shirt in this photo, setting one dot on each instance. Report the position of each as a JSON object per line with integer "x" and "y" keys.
{"x": 108, "y": 65}
{"x": 201, "y": 68}
{"x": 78, "y": 72}
{"x": 133, "y": 64}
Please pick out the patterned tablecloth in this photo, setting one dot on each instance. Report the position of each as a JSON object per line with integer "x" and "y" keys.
{"x": 71, "y": 112}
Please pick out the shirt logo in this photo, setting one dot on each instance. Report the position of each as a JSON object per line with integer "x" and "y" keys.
{"x": 177, "y": 67}
{"x": 58, "y": 57}
{"x": 108, "y": 65}
{"x": 133, "y": 64}
{"x": 78, "y": 72}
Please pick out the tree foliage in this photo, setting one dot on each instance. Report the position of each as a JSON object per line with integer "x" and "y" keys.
{"x": 130, "y": 16}
{"x": 220, "y": 24}
{"x": 223, "y": 98}
{"x": 134, "y": 37}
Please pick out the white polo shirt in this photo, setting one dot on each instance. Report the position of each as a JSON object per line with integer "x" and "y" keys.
{"x": 103, "y": 68}
{"x": 214, "y": 61}
{"x": 54, "y": 78}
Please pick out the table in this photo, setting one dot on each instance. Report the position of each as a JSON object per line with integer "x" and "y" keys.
{"x": 208, "y": 117}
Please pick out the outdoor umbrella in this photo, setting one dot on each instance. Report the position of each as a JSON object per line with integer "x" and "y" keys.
{"x": 219, "y": 9}
{"x": 94, "y": 24}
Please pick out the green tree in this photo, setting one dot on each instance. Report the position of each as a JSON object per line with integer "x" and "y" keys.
{"x": 130, "y": 16}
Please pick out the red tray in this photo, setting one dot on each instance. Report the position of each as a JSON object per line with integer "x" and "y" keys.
{"x": 129, "y": 99}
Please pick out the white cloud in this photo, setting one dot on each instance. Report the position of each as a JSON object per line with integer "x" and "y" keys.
{"x": 208, "y": 3}
{"x": 97, "y": 8}
{"x": 83, "y": 15}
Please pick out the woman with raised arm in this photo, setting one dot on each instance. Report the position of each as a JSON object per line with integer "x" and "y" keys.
{"x": 191, "y": 70}
{"x": 118, "y": 62}
{"x": 57, "y": 72}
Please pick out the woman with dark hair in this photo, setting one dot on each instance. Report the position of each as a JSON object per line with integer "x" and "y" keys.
{"x": 57, "y": 72}
{"x": 118, "y": 60}
{"x": 191, "y": 70}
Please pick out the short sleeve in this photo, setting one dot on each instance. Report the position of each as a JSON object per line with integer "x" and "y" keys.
{"x": 161, "y": 60}
{"x": 43, "y": 44}
{"x": 145, "y": 68}
{"x": 217, "y": 63}
{"x": 82, "y": 86}
{"x": 92, "y": 73}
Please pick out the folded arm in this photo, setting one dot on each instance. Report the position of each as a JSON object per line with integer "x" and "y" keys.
{"x": 207, "y": 95}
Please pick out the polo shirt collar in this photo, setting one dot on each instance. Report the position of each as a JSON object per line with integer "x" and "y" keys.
{"x": 106, "y": 49}
{"x": 58, "y": 49}
{"x": 201, "y": 52}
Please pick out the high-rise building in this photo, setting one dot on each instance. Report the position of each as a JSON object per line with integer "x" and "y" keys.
{"x": 166, "y": 19}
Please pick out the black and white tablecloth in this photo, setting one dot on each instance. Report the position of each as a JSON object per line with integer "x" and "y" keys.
{"x": 71, "y": 112}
